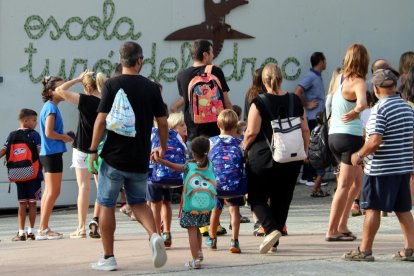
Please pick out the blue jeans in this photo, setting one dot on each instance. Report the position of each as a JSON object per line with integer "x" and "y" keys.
{"x": 111, "y": 181}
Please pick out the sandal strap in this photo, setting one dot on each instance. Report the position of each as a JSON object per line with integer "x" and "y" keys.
{"x": 365, "y": 253}
{"x": 408, "y": 252}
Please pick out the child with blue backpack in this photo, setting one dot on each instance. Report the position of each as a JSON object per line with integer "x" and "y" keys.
{"x": 227, "y": 159}
{"x": 198, "y": 197}
{"x": 162, "y": 179}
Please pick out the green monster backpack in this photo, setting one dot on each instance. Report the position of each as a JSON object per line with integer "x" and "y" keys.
{"x": 199, "y": 189}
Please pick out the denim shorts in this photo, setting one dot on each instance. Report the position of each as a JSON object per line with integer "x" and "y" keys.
{"x": 111, "y": 181}
{"x": 387, "y": 193}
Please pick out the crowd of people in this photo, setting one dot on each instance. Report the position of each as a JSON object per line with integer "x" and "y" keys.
{"x": 370, "y": 137}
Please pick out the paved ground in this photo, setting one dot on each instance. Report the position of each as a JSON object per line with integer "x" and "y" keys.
{"x": 303, "y": 252}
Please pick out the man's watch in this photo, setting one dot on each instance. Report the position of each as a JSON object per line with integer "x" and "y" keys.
{"x": 92, "y": 151}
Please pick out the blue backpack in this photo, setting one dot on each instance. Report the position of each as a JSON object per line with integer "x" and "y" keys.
{"x": 164, "y": 176}
{"x": 199, "y": 190}
{"x": 227, "y": 159}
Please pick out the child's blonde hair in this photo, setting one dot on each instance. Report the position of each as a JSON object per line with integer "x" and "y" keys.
{"x": 175, "y": 119}
{"x": 228, "y": 119}
{"x": 241, "y": 127}
{"x": 94, "y": 80}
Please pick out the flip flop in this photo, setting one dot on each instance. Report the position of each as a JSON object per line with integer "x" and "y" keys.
{"x": 349, "y": 234}
{"x": 340, "y": 238}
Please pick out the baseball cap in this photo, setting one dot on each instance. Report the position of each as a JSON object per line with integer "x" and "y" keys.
{"x": 385, "y": 78}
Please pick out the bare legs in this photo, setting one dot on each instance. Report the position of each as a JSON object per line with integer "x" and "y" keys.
{"x": 83, "y": 177}
{"x": 53, "y": 183}
{"x": 343, "y": 198}
{"x": 194, "y": 238}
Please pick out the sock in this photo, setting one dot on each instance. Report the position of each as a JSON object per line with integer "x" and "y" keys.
{"x": 21, "y": 232}
{"x": 30, "y": 230}
{"x": 108, "y": 256}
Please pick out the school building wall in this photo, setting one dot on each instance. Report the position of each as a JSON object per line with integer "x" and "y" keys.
{"x": 51, "y": 37}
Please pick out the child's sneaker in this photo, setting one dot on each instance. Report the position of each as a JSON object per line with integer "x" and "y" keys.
{"x": 166, "y": 236}
{"x": 94, "y": 230}
{"x": 204, "y": 231}
{"x": 258, "y": 230}
{"x": 221, "y": 230}
{"x": 159, "y": 255}
{"x": 234, "y": 246}
{"x": 105, "y": 264}
{"x": 19, "y": 237}
{"x": 31, "y": 237}
{"x": 211, "y": 243}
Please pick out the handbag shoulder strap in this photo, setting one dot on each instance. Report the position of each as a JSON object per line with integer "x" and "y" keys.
{"x": 291, "y": 99}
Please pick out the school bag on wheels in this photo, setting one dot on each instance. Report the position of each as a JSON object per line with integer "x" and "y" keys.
{"x": 199, "y": 190}
{"x": 22, "y": 157}
{"x": 319, "y": 154}
{"x": 205, "y": 95}
{"x": 162, "y": 175}
{"x": 287, "y": 141}
{"x": 227, "y": 159}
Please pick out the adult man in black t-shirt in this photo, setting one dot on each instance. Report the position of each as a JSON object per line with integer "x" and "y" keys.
{"x": 126, "y": 159}
{"x": 202, "y": 54}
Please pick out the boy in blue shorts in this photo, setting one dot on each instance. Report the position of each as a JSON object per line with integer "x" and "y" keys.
{"x": 227, "y": 122}
{"x": 28, "y": 192}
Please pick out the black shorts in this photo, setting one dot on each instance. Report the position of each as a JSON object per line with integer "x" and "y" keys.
{"x": 156, "y": 193}
{"x": 386, "y": 193}
{"x": 29, "y": 191}
{"x": 235, "y": 201}
{"x": 343, "y": 146}
{"x": 52, "y": 163}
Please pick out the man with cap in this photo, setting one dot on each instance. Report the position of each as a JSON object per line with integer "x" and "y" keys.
{"x": 388, "y": 164}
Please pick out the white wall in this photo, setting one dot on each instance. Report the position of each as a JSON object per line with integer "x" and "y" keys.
{"x": 282, "y": 29}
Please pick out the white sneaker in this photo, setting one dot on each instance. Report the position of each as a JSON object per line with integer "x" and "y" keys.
{"x": 269, "y": 241}
{"x": 159, "y": 255}
{"x": 302, "y": 181}
{"x": 324, "y": 183}
{"x": 105, "y": 264}
{"x": 48, "y": 234}
{"x": 310, "y": 183}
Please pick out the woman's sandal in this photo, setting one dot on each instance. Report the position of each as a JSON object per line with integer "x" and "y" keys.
{"x": 48, "y": 234}
{"x": 408, "y": 255}
{"x": 358, "y": 255}
{"x": 320, "y": 193}
{"x": 194, "y": 264}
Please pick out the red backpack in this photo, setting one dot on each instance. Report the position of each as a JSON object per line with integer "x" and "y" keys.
{"x": 22, "y": 157}
{"x": 206, "y": 97}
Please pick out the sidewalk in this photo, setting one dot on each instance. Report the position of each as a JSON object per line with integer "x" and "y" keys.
{"x": 302, "y": 252}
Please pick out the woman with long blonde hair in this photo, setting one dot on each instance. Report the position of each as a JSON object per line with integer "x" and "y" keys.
{"x": 345, "y": 138}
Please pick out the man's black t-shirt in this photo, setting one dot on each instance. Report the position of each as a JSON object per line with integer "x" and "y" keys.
{"x": 183, "y": 80}
{"x": 131, "y": 154}
{"x": 87, "y": 107}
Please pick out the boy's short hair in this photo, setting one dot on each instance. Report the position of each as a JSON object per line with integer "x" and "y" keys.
{"x": 174, "y": 119}
{"x": 238, "y": 110}
{"x": 228, "y": 120}
{"x": 25, "y": 113}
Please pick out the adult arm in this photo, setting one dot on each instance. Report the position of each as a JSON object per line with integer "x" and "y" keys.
{"x": 254, "y": 122}
{"x": 51, "y": 133}
{"x": 308, "y": 105}
{"x": 177, "y": 104}
{"x": 98, "y": 133}
{"x": 305, "y": 131}
{"x": 2, "y": 152}
{"x": 162, "y": 134}
{"x": 227, "y": 102}
{"x": 64, "y": 92}
{"x": 360, "y": 89}
{"x": 370, "y": 146}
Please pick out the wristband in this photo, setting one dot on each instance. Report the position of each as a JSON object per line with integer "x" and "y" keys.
{"x": 92, "y": 151}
